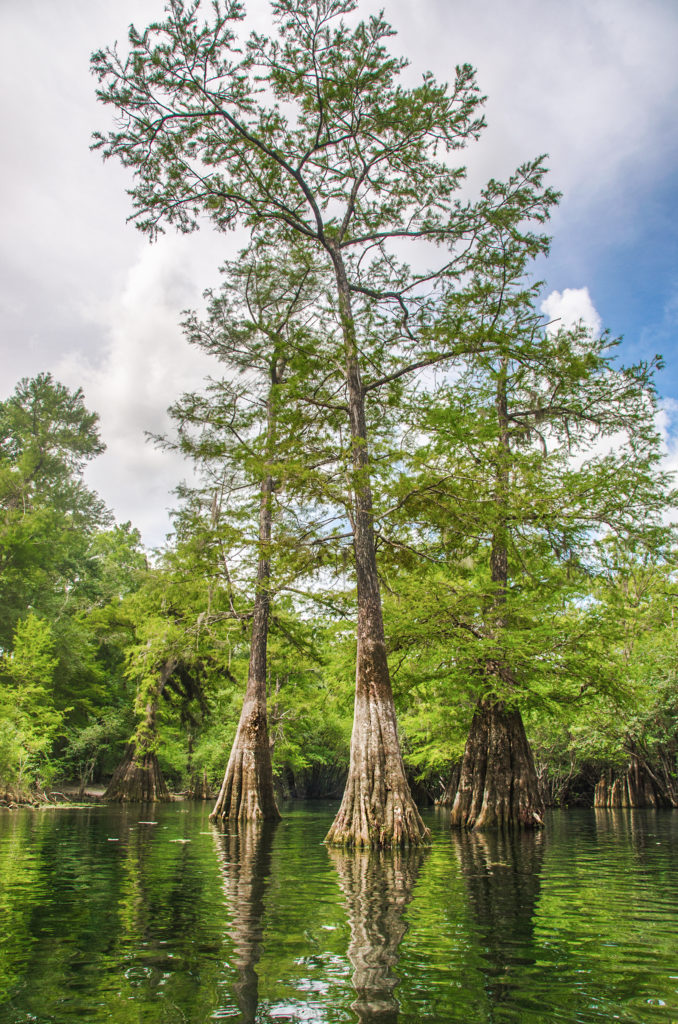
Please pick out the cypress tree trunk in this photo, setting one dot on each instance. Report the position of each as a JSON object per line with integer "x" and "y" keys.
{"x": 199, "y": 788}
{"x": 247, "y": 790}
{"x": 377, "y": 809}
{"x": 138, "y": 778}
{"x": 638, "y": 786}
{"x": 450, "y": 794}
{"x": 498, "y": 785}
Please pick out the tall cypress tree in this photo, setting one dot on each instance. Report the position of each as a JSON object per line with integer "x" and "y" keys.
{"x": 336, "y": 151}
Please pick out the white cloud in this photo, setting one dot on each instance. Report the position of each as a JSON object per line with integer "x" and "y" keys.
{"x": 667, "y": 426}
{"x": 593, "y": 84}
{"x": 146, "y": 365}
{"x": 570, "y": 307}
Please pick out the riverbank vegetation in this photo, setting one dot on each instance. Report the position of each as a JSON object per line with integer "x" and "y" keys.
{"x": 414, "y": 500}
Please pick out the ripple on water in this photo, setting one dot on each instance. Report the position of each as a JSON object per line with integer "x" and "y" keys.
{"x": 176, "y": 921}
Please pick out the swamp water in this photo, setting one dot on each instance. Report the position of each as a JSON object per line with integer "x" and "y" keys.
{"x": 149, "y": 915}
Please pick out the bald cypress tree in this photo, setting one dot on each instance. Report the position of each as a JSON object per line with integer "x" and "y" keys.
{"x": 540, "y": 446}
{"x": 338, "y": 153}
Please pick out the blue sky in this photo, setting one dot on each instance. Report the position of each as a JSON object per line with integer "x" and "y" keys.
{"x": 627, "y": 256}
{"x": 594, "y": 83}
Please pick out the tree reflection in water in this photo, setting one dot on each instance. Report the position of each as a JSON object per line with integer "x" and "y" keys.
{"x": 502, "y": 875}
{"x": 244, "y": 856}
{"x": 377, "y": 886}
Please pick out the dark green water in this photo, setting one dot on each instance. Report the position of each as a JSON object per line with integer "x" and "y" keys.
{"x": 104, "y": 918}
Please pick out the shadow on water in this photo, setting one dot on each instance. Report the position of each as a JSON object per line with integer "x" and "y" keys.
{"x": 502, "y": 872}
{"x": 377, "y": 887}
{"x": 244, "y": 857}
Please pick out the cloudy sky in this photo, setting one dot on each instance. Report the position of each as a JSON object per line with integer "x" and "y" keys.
{"x": 593, "y": 83}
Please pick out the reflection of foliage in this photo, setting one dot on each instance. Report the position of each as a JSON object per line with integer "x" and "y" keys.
{"x": 20, "y": 866}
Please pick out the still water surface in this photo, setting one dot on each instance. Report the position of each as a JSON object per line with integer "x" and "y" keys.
{"x": 148, "y": 915}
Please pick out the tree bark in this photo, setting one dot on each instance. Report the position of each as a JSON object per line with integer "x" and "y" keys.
{"x": 377, "y": 809}
{"x": 138, "y": 778}
{"x": 247, "y": 790}
{"x": 498, "y": 784}
{"x": 450, "y": 794}
{"x": 634, "y": 787}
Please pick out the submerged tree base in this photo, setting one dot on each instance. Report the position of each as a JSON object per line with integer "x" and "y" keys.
{"x": 635, "y": 787}
{"x": 377, "y": 810}
{"x": 10, "y": 797}
{"x": 247, "y": 792}
{"x": 498, "y": 786}
{"x": 364, "y": 822}
{"x": 137, "y": 779}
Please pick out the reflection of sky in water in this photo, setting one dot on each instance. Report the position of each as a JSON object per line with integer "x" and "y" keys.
{"x": 575, "y": 924}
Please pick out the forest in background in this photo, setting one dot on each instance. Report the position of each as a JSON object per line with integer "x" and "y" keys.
{"x": 506, "y": 472}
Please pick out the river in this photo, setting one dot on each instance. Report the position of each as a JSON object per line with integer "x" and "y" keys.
{"x": 149, "y": 915}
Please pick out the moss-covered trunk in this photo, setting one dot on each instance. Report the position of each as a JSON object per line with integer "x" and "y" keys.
{"x": 138, "y": 778}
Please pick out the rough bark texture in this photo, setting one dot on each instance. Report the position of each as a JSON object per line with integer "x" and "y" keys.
{"x": 498, "y": 785}
{"x": 247, "y": 790}
{"x": 244, "y": 855}
{"x": 138, "y": 778}
{"x": 450, "y": 794}
{"x": 638, "y": 786}
{"x": 377, "y": 809}
{"x": 377, "y": 887}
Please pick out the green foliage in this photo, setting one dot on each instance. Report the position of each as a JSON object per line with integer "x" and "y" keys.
{"x": 29, "y": 720}
{"x": 496, "y": 481}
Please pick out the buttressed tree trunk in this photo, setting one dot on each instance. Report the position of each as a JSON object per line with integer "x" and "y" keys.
{"x": 377, "y": 809}
{"x": 138, "y": 778}
{"x": 637, "y": 786}
{"x": 498, "y": 785}
{"x": 247, "y": 790}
